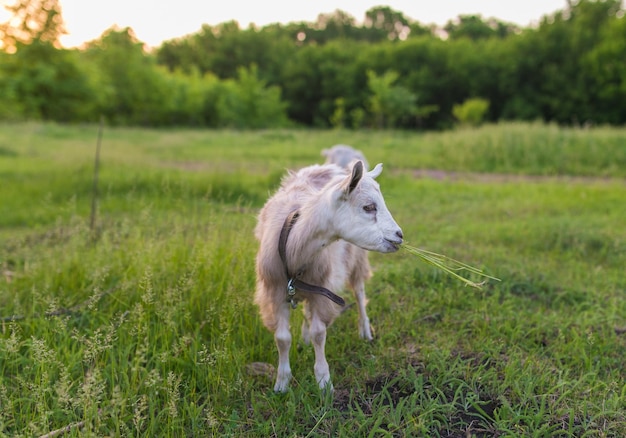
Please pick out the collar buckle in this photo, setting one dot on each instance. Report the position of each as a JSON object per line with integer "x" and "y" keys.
{"x": 291, "y": 292}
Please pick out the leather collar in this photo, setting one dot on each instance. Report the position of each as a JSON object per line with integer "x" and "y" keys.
{"x": 295, "y": 284}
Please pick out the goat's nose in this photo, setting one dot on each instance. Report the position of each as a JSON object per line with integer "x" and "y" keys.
{"x": 399, "y": 234}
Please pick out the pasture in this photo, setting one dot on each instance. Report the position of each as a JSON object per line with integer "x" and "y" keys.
{"x": 145, "y": 326}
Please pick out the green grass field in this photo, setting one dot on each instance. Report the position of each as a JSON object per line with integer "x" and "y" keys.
{"x": 145, "y": 326}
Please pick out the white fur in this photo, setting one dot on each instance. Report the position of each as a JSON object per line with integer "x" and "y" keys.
{"x": 342, "y": 214}
{"x": 344, "y": 155}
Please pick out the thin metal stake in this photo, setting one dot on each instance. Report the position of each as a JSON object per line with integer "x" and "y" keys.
{"x": 94, "y": 196}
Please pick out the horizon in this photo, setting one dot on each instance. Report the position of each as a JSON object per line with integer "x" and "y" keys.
{"x": 152, "y": 21}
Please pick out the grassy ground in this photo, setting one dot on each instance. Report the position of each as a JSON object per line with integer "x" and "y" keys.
{"x": 145, "y": 326}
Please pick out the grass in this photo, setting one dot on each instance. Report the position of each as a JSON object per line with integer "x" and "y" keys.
{"x": 455, "y": 268}
{"x": 146, "y": 327}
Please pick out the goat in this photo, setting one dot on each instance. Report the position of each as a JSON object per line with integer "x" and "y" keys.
{"x": 344, "y": 155}
{"x": 330, "y": 216}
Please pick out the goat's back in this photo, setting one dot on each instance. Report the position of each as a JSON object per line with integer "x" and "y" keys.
{"x": 295, "y": 190}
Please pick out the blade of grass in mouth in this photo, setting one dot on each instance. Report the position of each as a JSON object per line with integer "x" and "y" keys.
{"x": 449, "y": 265}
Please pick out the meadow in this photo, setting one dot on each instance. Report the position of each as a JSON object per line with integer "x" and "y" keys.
{"x": 145, "y": 326}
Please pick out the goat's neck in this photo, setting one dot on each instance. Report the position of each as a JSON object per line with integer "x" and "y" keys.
{"x": 313, "y": 233}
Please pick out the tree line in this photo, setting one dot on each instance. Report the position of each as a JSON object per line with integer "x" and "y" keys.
{"x": 389, "y": 71}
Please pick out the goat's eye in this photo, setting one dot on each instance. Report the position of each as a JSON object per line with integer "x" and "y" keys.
{"x": 370, "y": 208}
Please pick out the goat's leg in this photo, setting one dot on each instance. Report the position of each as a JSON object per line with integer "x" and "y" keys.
{"x": 365, "y": 330}
{"x": 317, "y": 333}
{"x": 306, "y": 333}
{"x": 282, "y": 337}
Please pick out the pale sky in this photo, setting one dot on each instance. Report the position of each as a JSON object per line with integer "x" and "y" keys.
{"x": 157, "y": 20}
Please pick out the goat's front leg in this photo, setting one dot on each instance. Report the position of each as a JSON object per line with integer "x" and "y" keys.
{"x": 282, "y": 337}
{"x": 317, "y": 333}
{"x": 365, "y": 329}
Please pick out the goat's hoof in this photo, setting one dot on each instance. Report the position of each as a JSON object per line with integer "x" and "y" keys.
{"x": 282, "y": 381}
{"x": 323, "y": 381}
{"x": 366, "y": 332}
{"x": 281, "y": 388}
{"x": 327, "y": 388}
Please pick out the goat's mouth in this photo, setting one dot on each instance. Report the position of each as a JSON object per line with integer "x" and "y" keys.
{"x": 393, "y": 245}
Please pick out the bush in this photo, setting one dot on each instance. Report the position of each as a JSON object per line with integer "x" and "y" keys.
{"x": 192, "y": 100}
{"x": 472, "y": 111}
{"x": 248, "y": 103}
{"x": 389, "y": 103}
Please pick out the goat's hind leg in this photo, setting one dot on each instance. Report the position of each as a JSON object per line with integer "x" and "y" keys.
{"x": 306, "y": 323}
{"x": 282, "y": 337}
{"x": 361, "y": 271}
{"x": 365, "y": 329}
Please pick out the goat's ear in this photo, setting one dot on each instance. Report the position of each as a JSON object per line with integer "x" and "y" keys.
{"x": 357, "y": 174}
{"x": 376, "y": 171}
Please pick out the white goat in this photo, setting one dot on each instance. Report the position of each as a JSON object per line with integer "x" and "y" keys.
{"x": 325, "y": 217}
{"x": 344, "y": 155}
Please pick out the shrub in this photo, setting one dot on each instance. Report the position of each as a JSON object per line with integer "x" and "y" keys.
{"x": 248, "y": 103}
{"x": 471, "y": 112}
{"x": 337, "y": 120}
{"x": 39, "y": 81}
{"x": 389, "y": 103}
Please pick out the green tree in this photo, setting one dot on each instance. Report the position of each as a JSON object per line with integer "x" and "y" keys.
{"x": 391, "y": 24}
{"x": 249, "y": 103}
{"x": 605, "y": 65}
{"x": 389, "y": 103}
{"x": 192, "y": 99}
{"x": 32, "y": 21}
{"x": 37, "y": 79}
{"x": 424, "y": 69}
{"x": 476, "y": 28}
{"x": 12, "y": 107}
{"x": 133, "y": 88}
{"x": 336, "y": 25}
{"x": 50, "y": 84}
{"x": 223, "y": 49}
{"x": 555, "y": 83}
{"x": 316, "y": 76}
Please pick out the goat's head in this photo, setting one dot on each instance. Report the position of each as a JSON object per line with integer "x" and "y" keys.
{"x": 362, "y": 217}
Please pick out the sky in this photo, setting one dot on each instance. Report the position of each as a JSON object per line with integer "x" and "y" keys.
{"x": 155, "y": 21}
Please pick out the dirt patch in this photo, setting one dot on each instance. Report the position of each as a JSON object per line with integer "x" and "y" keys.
{"x": 448, "y": 175}
{"x": 189, "y": 166}
{"x": 475, "y": 419}
{"x": 434, "y": 174}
